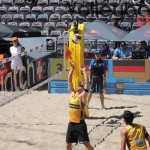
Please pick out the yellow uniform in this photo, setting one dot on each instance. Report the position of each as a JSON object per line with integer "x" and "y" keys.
{"x": 136, "y": 137}
{"x": 76, "y": 107}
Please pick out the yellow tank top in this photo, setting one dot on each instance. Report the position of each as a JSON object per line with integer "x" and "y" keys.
{"x": 136, "y": 137}
{"x": 76, "y": 108}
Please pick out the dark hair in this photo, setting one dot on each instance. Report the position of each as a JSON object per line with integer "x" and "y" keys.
{"x": 128, "y": 116}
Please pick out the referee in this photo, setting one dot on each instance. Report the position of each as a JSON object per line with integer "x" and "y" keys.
{"x": 97, "y": 69}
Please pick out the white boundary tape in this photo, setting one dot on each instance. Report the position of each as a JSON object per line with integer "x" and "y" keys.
{"x": 7, "y": 101}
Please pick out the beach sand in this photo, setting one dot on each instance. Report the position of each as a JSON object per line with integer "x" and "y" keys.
{"x": 38, "y": 121}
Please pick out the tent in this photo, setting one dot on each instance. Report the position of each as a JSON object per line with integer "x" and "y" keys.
{"x": 99, "y": 30}
{"x": 142, "y": 33}
{"x": 10, "y": 31}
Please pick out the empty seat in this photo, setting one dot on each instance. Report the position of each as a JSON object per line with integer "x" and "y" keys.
{"x": 133, "y": 10}
{"x": 30, "y": 18}
{"x": 116, "y": 18}
{"x": 7, "y": 3}
{"x": 104, "y": 18}
{"x": 19, "y": 3}
{"x": 54, "y": 18}
{"x": 3, "y": 10}
{"x": 36, "y": 25}
{"x": 25, "y": 10}
{"x": 36, "y": 10}
{"x": 13, "y": 10}
{"x": 48, "y": 10}
{"x": 55, "y": 33}
{"x": 61, "y": 26}
{"x": 24, "y": 24}
{"x": 145, "y": 10}
{"x": 42, "y": 3}
{"x": 12, "y": 23}
{"x": 42, "y": 18}
{"x": 54, "y": 3}
{"x": 130, "y": 19}
{"x": 91, "y": 18}
{"x": 66, "y": 17}
{"x": 147, "y": 2}
{"x": 49, "y": 26}
{"x": 2, "y": 23}
{"x": 60, "y": 10}
{"x": 18, "y": 18}
{"x": 7, "y": 18}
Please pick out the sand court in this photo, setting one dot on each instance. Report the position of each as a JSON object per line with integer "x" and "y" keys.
{"x": 38, "y": 121}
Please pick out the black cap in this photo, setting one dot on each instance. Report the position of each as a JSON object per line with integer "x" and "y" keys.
{"x": 123, "y": 43}
{"x": 97, "y": 52}
{"x": 105, "y": 45}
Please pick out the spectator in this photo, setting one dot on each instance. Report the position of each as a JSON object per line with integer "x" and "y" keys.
{"x": 123, "y": 52}
{"x": 77, "y": 128}
{"x": 16, "y": 63}
{"x": 105, "y": 51}
{"x": 134, "y": 135}
{"x": 144, "y": 47}
{"x": 97, "y": 69}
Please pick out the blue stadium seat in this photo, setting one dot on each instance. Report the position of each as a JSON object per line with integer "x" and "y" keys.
{"x": 42, "y": 3}
{"x": 30, "y": 18}
{"x": 130, "y": 19}
{"x": 54, "y": 18}
{"x": 42, "y": 18}
{"x": 36, "y": 10}
{"x": 126, "y": 26}
{"x": 37, "y": 25}
{"x": 48, "y": 10}
{"x": 7, "y": 18}
{"x": 3, "y": 10}
{"x": 18, "y": 18}
{"x": 25, "y": 24}
{"x": 13, "y": 10}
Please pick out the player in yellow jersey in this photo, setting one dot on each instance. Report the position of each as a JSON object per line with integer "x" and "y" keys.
{"x": 77, "y": 128}
{"x": 134, "y": 135}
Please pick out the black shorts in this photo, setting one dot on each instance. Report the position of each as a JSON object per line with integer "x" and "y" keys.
{"x": 96, "y": 84}
{"x": 77, "y": 132}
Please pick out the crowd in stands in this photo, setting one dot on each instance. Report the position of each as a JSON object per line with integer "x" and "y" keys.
{"x": 52, "y": 17}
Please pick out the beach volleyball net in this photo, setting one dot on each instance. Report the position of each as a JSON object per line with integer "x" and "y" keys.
{"x": 40, "y": 66}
